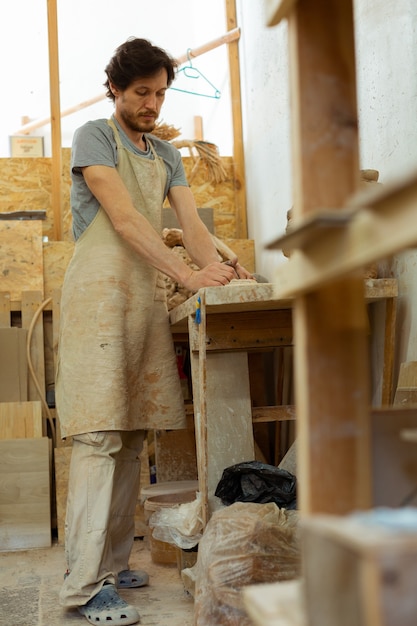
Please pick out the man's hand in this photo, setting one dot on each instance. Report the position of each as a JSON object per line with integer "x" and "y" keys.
{"x": 216, "y": 274}
{"x": 212, "y": 275}
{"x": 240, "y": 271}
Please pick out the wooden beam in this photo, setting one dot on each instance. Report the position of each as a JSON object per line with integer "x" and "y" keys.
{"x": 238, "y": 151}
{"x": 376, "y": 226}
{"x": 250, "y": 330}
{"x": 54, "y": 95}
{"x": 273, "y": 413}
{"x": 231, "y": 35}
{"x": 330, "y": 324}
{"x": 228, "y": 37}
{"x": 277, "y": 10}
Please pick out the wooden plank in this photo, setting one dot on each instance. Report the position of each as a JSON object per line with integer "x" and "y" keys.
{"x": 389, "y": 350}
{"x": 303, "y": 232}
{"x": 380, "y": 288}
{"x": 384, "y": 226}
{"x": 237, "y": 296}
{"x": 198, "y": 128}
{"x": 223, "y": 417}
{"x": 406, "y": 392}
{"x": 23, "y": 215}
{"x": 198, "y": 373}
{"x": 275, "y": 604}
{"x": 277, "y": 10}
{"x": 255, "y": 330}
{"x": 20, "y": 420}
{"x": 273, "y": 413}
{"x": 238, "y": 151}
{"x": 55, "y": 108}
{"x": 24, "y": 494}
{"x": 5, "y": 321}
{"x": 330, "y": 324}
{"x": 13, "y": 365}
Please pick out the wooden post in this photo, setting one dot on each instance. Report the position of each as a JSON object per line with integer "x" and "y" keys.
{"x": 238, "y": 152}
{"x": 331, "y": 344}
{"x": 54, "y": 95}
{"x": 198, "y": 128}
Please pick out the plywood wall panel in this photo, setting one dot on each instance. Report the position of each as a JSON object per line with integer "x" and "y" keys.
{"x": 21, "y": 256}
{"x": 20, "y": 420}
{"x": 26, "y": 184}
{"x": 56, "y": 256}
{"x": 218, "y": 196}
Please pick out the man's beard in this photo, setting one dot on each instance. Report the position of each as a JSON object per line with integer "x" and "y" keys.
{"x": 135, "y": 123}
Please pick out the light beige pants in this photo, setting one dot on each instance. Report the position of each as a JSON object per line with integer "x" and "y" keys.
{"x": 100, "y": 523}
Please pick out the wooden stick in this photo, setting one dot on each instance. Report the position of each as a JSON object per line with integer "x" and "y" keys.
{"x": 238, "y": 151}
{"x": 55, "y": 118}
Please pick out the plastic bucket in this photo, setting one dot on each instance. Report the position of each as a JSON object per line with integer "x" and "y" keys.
{"x": 161, "y": 551}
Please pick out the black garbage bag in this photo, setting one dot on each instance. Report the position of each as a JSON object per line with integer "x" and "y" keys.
{"x": 253, "y": 481}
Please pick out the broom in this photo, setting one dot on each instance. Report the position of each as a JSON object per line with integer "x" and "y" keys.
{"x": 207, "y": 153}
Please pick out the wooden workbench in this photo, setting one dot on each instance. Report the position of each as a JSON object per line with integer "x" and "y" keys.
{"x": 223, "y": 324}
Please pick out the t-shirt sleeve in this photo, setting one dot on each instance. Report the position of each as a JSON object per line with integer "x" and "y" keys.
{"x": 93, "y": 144}
{"x": 179, "y": 178}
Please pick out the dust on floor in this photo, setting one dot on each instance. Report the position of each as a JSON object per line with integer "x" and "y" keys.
{"x": 30, "y": 582}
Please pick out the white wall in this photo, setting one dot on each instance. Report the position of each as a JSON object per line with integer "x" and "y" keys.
{"x": 386, "y": 43}
{"x": 387, "y": 96}
{"x": 266, "y": 130}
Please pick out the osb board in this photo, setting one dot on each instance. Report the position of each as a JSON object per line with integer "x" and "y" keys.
{"x": 62, "y": 465}
{"x": 244, "y": 250}
{"x": 26, "y": 184}
{"x": 21, "y": 257}
{"x": 20, "y": 420}
{"x": 218, "y": 196}
{"x": 24, "y": 494}
{"x": 56, "y": 256}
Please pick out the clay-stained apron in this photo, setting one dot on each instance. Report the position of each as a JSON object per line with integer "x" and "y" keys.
{"x": 116, "y": 362}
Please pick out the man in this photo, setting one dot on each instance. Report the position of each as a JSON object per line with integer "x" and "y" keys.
{"x": 117, "y": 374}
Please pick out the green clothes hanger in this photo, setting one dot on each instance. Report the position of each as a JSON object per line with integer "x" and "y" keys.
{"x": 192, "y": 73}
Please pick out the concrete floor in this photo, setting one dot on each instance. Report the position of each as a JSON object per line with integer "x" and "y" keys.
{"x": 30, "y": 583}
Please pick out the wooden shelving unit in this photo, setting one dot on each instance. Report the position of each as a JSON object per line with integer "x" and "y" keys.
{"x": 334, "y": 235}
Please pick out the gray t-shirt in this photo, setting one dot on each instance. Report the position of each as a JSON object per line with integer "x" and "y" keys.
{"x": 94, "y": 144}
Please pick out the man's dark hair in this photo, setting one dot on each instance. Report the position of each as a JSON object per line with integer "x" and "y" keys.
{"x": 137, "y": 58}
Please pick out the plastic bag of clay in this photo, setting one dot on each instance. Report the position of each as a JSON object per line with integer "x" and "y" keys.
{"x": 243, "y": 544}
{"x": 180, "y": 525}
{"x": 253, "y": 481}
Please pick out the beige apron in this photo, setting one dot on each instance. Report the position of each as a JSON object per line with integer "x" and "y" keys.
{"x": 116, "y": 362}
